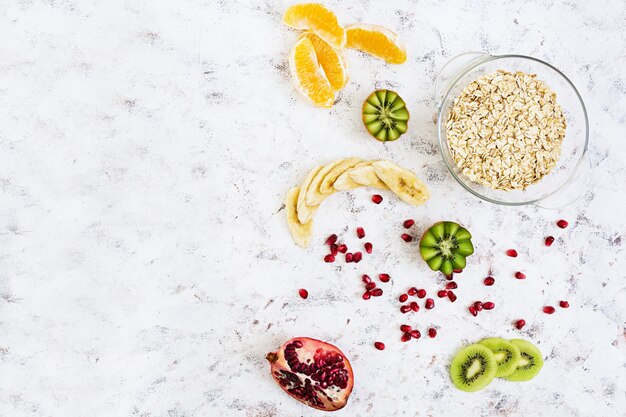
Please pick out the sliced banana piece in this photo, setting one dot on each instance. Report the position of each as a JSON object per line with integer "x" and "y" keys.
{"x": 313, "y": 195}
{"x": 327, "y": 185}
{"x": 402, "y": 182}
{"x": 301, "y": 233}
{"x": 366, "y": 175}
{"x": 344, "y": 182}
{"x": 305, "y": 212}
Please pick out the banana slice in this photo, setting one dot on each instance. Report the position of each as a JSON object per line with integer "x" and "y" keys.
{"x": 301, "y": 233}
{"x": 344, "y": 182}
{"x": 402, "y": 182}
{"x": 305, "y": 212}
{"x": 365, "y": 175}
{"x": 313, "y": 195}
{"x": 326, "y": 187}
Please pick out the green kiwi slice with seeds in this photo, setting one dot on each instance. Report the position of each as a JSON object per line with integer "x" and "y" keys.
{"x": 473, "y": 368}
{"x": 385, "y": 115}
{"x": 507, "y": 355}
{"x": 530, "y": 362}
{"x": 445, "y": 245}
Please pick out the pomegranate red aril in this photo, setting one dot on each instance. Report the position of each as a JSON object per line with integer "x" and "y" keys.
{"x": 405, "y": 309}
{"x": 366, "y": 279}
{"x": 329, "y": 258}
{"x": 478, "y": 306}
{"x": 368, "y": 247}
{"x": 406, "y": 337}
{"x": 370, "y": 285}
{"x": 356, "y": 258}
{"x": 331, "y": 239}
{"x": 403, "y": 298}
{"x": 414, "y": 306}
{"x": 488, "y": 305}
{"x": 377, "y": 292}
{"x": 563, "y": 304}
{"x": 549, "y": 310}
{"x": 421, "y": 293}
{"x": 520, "y": 323}
{"x": 360, "y": 232}
{"x": 333, "y": 249}
{"x": 449, "y": 277}
{"x": 512, "y": 253}
{"x": 342, "y": 248}
{"x": 520, "y": 275}
{"x": 549, "y": 240}
{"x": 451, "y": 296}
{"x": 367, "y": 295}
{"x": 473, "y": 311}
{"x": 442, "y": 293}
{"x": 379, "y": 345}
{"x": 451, "y": 285}
{"x": 406, "y": 238}
{"x": 384, "y": 277}
{"x": 562, "y": 224}
{"x": 406, "y": 328}
{"x": 412, "y": 291}
{"x": 408, "y": 223}
{"x": 349, "y": 257}
{"x": 457, "y": 271}
{"x": 489, "y": 281}
{"x": 377, "y": 198}
{"x": 432, "y": 332}
{"x": 430, "y": 304}
{"x": 303, "y": 293}
{"x": 415, "y": 334}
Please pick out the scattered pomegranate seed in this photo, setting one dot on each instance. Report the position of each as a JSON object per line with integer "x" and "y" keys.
{"x": 421, "y": 293}
{"x": 408, "y": 223}
{"x": 512, "y": 253}
{"x": 360, "y": 232}
{"x": 384, "y": 277}
{"x": 368, "y": 247}
{"x": 303, "y": 293}
{"x": 415, "y": 334}
{"x": 366, "y": 295}
{"x": 457, "y": 271}
{"x": 449, "y": 277}
{"x": 520, "y": 275}
{"x": 478, "y": 306}
{"x": 329, "y": 258}
{"x": 451, "y": 296}
{"x": 406, "y": 328}
{"x": 403, "y": 298}
{"x": 442, "y": 293}
{"x": 488, "y": 305}
{"x": 342, "y": 248}
{"x": 548, "y": 310}
{"x": 473, "y": 311}
{"x": 414, "y": 306}
{"x": 520, "y": 323}
{"x": 357, "y": 257}
{"x": 406, "y": 238}
{"x": 370, "y": 285}
{"x": 377, "y": 198}
{"x": 451, "y": 285}
{"x": 333, "y": 249}
{"x": 405, "y": 309}
{"x": 549, "y": 240}
{"x": 349, "y": 257}
{"x": 331, "y": 239}
{"x": 366, "y": 279}
{"x": 406, "y": 337}
{"x": 412, "y": 291}
{"x": 489, "y": 281}
{"x": 379, "y": 345}
{"x": 377, "y": 292}
{"x": 432, "y": 332}
{"x": 562, "y": 224}
{"x": 564, "y": 304}
{"x": 430, "y": 303}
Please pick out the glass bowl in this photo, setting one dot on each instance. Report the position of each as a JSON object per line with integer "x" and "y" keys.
{"x": 569, "y": 179}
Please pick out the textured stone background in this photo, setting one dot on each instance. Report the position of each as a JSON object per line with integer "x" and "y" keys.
{"x": 145, "y": 267}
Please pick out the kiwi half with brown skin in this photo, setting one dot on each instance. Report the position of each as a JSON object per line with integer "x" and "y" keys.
{"x": 473, "y": 368}
{"x": 445, "y": 245}
{"x": 385, "y": 115}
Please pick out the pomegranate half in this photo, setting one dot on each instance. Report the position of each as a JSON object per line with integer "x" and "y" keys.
{"x": 313, "y": 372}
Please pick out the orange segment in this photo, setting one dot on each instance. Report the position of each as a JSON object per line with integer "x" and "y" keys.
{"x": 308, "y": 76}
{"x": 315, "y": 17}
{"x": 333, "y": 61}
{"x": 376, "y": 40}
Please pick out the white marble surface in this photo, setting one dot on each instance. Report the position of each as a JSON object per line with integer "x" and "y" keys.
{"x": 145, "y": 267}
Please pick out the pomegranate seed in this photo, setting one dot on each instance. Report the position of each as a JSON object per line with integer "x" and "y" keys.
{"x": 356, "y": 258}
{"x": 370, "y": 285}
{"x": 384, "y": 277}
{"x": 430, "y": 303}
{"x": 451, "y": 296}
{"x": 405, "y": 309}
{"x": 377, "y": 198}
{"x": 457, "y": 271}
{"x": 512, "y": 253}
{"x": 473, "y": 311}
{"x": 549, "y": 240}
{"x": 377, "y": 292}
{"x": 564, "y": 304}
{"x": 342, "y": 248}
{"x": 303, "y": 293}
{"x": 415, "y": 334}
{"x": 368, "y": 247}
{"x": 366, "y": 279}
{"x": 562, "y": 224}
{"x": 520, "y": 323}
{"x": 451, "y": 285}
{"x": 349, "y": 257}
{"x": 489, "y": 281}
{"x": 406, "y": 337}
{"x": 548, "y": 310}
{"x": 432, "y": 332}
{"x": 360, "y": 232}
{"x": 329, "y": 258}
{"x": 366, "y": 295}
{"x": 412, "y": 291}
{"x": 403, "y": 298}
{"x": 333, "y": 249}
{"x": 442, "y": 293}
{"x": 414, "y": 306}
{"x": 331, "y": 239}
{"x": 520, "y": 275}
{"x": 421, "y": 293}
{"x": 478, "y": 306}
{"x": 406, "y": 328}
{"x": 488, "y": 305}
{"x": 449, "y": 277}
{"x": 406, "y": 238}
{"x": 408, "y": 223}
{"x": 379, "y": 345}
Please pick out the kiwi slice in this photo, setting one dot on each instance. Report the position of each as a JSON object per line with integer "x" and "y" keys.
{"x": 445, "y": 246}
{"x": 506, "y": 353}
{"x": 473, "y": 368}
{"x": 530, "y": 362}
{"x": 385, "y": 115}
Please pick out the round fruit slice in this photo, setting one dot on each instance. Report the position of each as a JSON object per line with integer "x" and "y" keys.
{"x": 308, "y": 76}
{"x": 385, "y": 115}
{"x": 319, "y": 19}
{"x": 473, "y": 368}
{"x": 333, "y": 61}
{"x": 376, "y": 40}
{"x": 530, "y": 362}
{"x": 506, "y": 353}
{"x": 445, "y": 246}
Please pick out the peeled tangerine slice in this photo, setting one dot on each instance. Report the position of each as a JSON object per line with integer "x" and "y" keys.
{"x": 308, "y": 76}
{"x": 385, "y": 115}
{"x": 445, "y": 246}
{"x": 319, "y": 19}
{"x": 333, "y": 61}
{"x": 376, "y": 40}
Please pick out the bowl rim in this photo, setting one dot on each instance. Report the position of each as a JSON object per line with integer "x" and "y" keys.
{"x": 444, "y": 100}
